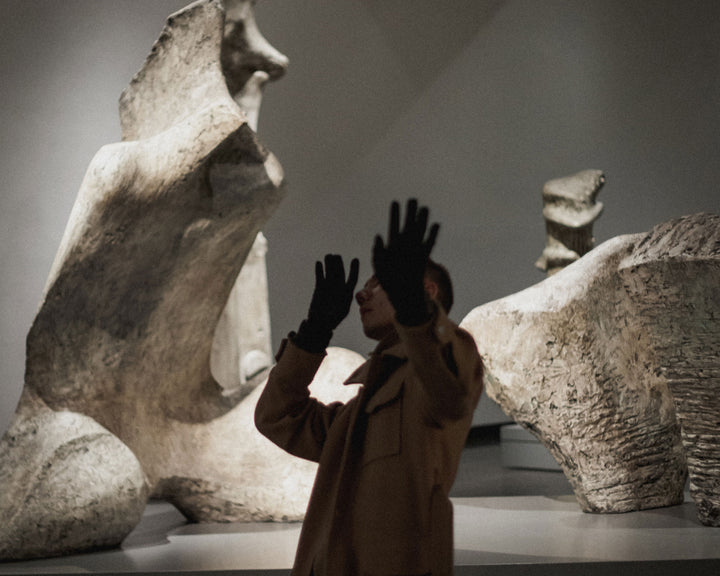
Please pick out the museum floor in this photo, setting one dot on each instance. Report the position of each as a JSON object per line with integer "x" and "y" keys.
{"x": 507, "y": 522}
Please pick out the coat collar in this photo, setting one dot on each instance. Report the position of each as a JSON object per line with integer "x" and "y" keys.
{"x": 388, "y": 347}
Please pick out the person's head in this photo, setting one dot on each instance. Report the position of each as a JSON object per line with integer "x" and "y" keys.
{"x": 377, "y": 313}
{"x": 438, "y": 285}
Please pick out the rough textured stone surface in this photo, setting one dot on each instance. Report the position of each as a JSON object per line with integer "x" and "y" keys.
{"x": 572, "y": 360}
{"x": 66, "y": 484}
{"x": 673, "y": 280}
{"x": 569, "y": 208}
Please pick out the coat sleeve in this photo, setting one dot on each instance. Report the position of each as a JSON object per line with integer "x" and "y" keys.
{"x": 285, "y": 412}
{"x": 446, "y": 361}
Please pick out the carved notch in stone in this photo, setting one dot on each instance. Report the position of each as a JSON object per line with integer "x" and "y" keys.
{"x": 241, "y": 348}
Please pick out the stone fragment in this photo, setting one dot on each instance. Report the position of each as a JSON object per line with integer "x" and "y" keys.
{"x": 587, "y": 358}
{"x": 66, "y": 484}
{"x": 569, "y": 208}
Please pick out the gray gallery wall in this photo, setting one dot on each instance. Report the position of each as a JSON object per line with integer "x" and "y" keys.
{"x": 470, "y": 105}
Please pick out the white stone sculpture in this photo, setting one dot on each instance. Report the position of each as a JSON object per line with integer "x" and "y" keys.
{"x": 124, "y": 335}
{"x": 581, "y": 361}
{"x": 569, "y": 208}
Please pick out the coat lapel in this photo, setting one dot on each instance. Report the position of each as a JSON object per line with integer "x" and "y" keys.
{"x": 375, "y": 374}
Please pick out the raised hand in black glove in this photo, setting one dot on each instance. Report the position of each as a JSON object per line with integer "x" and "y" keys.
{"x": 400, "y": 265}
{"x": 330, "y": 303}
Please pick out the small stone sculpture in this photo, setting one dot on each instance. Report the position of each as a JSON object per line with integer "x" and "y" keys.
{"x": 569, "y": 208}
{"x": 587, "y": 360}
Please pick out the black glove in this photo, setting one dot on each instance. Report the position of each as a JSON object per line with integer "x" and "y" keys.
{"x": 400, "y": 266}
{"x": 330, "y": 303}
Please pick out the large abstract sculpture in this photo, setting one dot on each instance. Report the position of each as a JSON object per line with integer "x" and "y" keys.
{"x": 119, "y": 354}
{"x": 587, "y": 360}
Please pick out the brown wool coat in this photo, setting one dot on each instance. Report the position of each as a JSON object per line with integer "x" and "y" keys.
{"x": 388, "y": 458}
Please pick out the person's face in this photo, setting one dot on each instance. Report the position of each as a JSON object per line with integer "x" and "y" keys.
{"x": 376, "y": 312}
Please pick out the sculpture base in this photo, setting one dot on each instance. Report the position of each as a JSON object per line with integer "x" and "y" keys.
{"x": 519, "y": 535}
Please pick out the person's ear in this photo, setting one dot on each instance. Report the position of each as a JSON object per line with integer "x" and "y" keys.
{"x": 431, "y": 288}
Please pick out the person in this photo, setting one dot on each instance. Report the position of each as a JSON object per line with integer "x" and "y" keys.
{"x": 388, "y": 457}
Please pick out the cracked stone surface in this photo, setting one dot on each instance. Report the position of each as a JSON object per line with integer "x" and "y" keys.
{"x": 598, "y": 359}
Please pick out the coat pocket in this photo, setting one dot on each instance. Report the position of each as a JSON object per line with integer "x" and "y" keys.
{"x": 383, "y": 437}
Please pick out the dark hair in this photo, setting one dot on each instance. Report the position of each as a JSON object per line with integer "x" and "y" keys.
{"x": 440, "y": 275}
